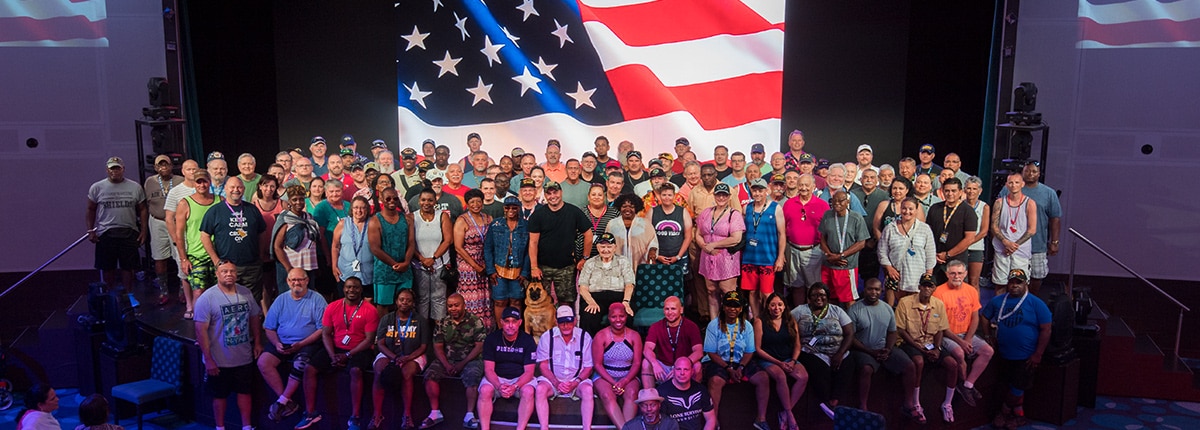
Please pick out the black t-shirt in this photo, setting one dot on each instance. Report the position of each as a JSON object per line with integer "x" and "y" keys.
{"x": 630, "y": 181}
{"x": 686, "y": 407}
{"x": 961, "y": 220}
{"x": 678, "y": 180}
{"x": 404, "y": 336}
{"x": 556, "y": 246}
{"x": 721, "y": 174}
{"x": 510, "y": 359}
{"x": 234, "y": 232}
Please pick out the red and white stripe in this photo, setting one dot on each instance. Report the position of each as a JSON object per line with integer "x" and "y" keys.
{"x": 1140, "y": 24}
{"x": 53, "y": 23}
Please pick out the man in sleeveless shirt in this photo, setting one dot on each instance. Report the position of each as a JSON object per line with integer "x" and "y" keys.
{"x": 1014, "y": 223}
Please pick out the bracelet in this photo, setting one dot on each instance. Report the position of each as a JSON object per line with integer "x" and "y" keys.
{"x": 625, "y": 301}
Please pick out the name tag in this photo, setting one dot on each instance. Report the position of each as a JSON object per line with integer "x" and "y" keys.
{"x": 751, "y": 242}
{"x": 355, "y": 266}
{"x": 346, "y": 340}
{"x": 929, "y": 346}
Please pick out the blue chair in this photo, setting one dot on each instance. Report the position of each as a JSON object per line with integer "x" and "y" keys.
{"x": 655, "y": 282}
{"x": 165, "y": 378}
{"x": 857, "y": 419}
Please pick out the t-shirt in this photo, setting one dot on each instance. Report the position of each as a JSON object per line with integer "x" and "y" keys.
{"x": 802, "y": 220}
{"x": 293, "y": 320}
{"x": 827, "y": 330}
{"x": 953, "y": 224}
{"x": 687, "y": 407}
{"x": 459, "y": 338}
{"x": 731, "y": 344}
{"x": 328, "y": 216}
{"x": 922, "y": 321}
{"x": 670, "y": 344}
{"x": 495, "y": 209}
{"x": 960, "y": 303}
{"x": 872, "y": 323}
{"x": 176, "y": 195}
{"x": 445, "y": 203}
{"x": 156, "y": 189}
{"x": 576, "y": 194}
{"x": 841, "y": 233}
{"x": 250, "y": 184}
{"x": 1017, "y": 328}
{"x": 228, "y": 317}
{"x": 558, "y": 229}
{"x": 510, "y": 359}
{"x": 350, "y": 324}
{"x": 116, "y": 204}
{"x": 235, "y": 232}
{"x": 402, "y": 335}
{"x": 638, "y": 423}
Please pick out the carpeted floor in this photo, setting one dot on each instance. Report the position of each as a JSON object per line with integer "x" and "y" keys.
{"x": 1110, "y": 413}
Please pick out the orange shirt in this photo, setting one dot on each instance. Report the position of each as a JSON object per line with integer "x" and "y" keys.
{"x": 555, "y": 173}
{"x": 960, "y": 303}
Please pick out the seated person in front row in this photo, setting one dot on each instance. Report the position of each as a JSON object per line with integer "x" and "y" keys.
{"x": 729, "y": 348}
{"x": 874, "y": 336}
{"x": 619, "y": 350}
{"x": 348, "y": 331}
{"x": 457, "y": 345}
{"x": 668, "y": 339}
{"x": 401, "y": 340}
{"x": 565, "y": 361}
{"x": 651, "y": 417}
{"x": 687, "y": 402}
{"x": 508, "y": 362}
{"x": 293, "y": 330}
{"x": 921, "y": 322}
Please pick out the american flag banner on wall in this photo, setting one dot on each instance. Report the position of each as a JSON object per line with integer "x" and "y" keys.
{"x": 521, "y": 72}
{"x": 71, "y": 23}
{"x": 1139, "y": 23}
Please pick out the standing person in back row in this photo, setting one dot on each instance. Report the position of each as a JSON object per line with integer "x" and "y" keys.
{"x": 552, "y": 233}
{"x": 1049, "y": 214}
{"x": 116, "y": 222}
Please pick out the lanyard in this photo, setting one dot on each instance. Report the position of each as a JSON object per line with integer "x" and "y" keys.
{"x": 925, "y": 314}
{"x": 231, "y": 211}
{"x": 818, "y": 318}
{"x": 946, "y": 216}
{"x": 351, "y": 317}
{"x": 357, "y": 235}
{"x": 401, "y": 335}
{"x": 712, "y": 223}
{"x": 758, "y": 217}
{"x": 165, "y": 188}
{"x": 674, "y": 340}
{"x": 471, "y": 218}
{"x": 732, "y": 338}
{"x": 841, "y": 232}
{"x": 1004, "y": 301}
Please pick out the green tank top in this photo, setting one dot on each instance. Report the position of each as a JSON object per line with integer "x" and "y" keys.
{"x": 191, "y": 237}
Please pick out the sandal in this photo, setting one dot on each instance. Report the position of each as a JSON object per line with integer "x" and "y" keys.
{"x": 187, "y": 315}
{"x": 376, "y": 423}
{"x": 431, "y": 421}
{"x": 916, "y": 414}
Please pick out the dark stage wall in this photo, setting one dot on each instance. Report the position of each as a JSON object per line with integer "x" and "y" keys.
{"x": 892, "y": 74}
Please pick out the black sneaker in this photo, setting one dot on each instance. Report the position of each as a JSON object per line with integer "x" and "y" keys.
{"x": 968, "y": 394}
{"x": 273, "y": 412}
{"x": 290, "y": 408}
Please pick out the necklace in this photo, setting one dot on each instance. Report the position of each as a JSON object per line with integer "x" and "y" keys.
{"x": 1004, "y": 301}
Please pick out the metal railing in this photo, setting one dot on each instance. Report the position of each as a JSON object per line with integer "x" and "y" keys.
{"x": 1071, "y": 280}
{"x": 47, "y": 263}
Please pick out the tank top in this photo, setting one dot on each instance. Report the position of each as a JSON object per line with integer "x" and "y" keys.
{"x": 889, "y": 215}
{"x": 429, "y": 237}
{"x": 395, "y": 244}
{"x": 669, "y": 228}
{"x": 196, "y": 212}
{"x": 1013, "y": 224}
{"x": 979, "y": 245}
{"x": 355, "y": 248}
{"x": 618, "y": 358}
{"x": 761, "y": 228}
{"x": 777, "y": 343}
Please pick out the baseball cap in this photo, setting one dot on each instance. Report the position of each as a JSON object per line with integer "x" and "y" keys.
{"x": 666, "y": 156}
{"x": 612, "y": 164}
{"x": 657, "y": 173}
{"x": 512, "y": 201}
{"x": 408, "y": 153}
{"x": 115, "y": 162}
{"x": 356, "y": 166}
{"x": 666, "y": 185}
{"x": 758, "y": 183}
{"x": 348, "y": 140}
{"x": 371, "y": 165}
{"x": 778, "y": 178}
{"x": 864, "y": 147}
{"x": 425, "y": 164}
{"x": 927, "y": 148}
{"x": 554, "y": 142}
{"x": 732, "y": 299}
{"x": 517, "y": 152}
{"x": 1017, "y": 274}
{"x": 298, "y": 150}
{"x": 822, "y": 164}
{"x": 565, "y": 314}
{"x": 757, "y": 148}
{"x": 927, "y": 280}
{"x": 378, "y": 143}
{"x": 683, "y": 141}
{"x": 806, "y": 158}
{"x": 159, "y": 159}
{"x": 721, "y": 188}
{"x": 215, "y": 155}
{"x": 606, "y": 238}
{"x": 429, "y": 141}
{"x": 654, "y": 162}
{"x": 435, "y": 174}
{"x": 634, "y": 153}
{"x": 527, "y": 182}
{"x": 201, "y": 174}
{"x": 347, "y": 151}
{"x": 548, "y": 185}
{"x": 316, "y": 139}
{"x": 510, "y": 312}
{"x": 473, "y": 135}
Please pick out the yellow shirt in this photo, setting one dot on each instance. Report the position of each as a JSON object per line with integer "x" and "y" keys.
{"x": 921, "y": 321}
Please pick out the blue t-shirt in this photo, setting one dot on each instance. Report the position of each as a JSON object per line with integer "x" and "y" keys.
{"x": 327, "y": 217}
{"x": 1017, "y": 334}
{"x": 1047, "y": 207}
{"x": 720, "y": 343}
{"x": 293, "y": 320}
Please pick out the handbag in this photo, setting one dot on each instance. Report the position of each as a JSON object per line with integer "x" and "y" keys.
{"x": 509, "y": 273}
{"x": 450, "y": 277}
{"x": 738, "y": 247}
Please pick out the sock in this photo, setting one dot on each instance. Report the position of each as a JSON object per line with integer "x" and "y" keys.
{"x": 468, "y": 416}
{"x": 220, "y": 428}
{"x": 283, "y": 400}
{"x": 435, "y": 414}
{"x": 969, "y": 384}
{"x": 917, "y": 395}
{"x": 949, "y": 396}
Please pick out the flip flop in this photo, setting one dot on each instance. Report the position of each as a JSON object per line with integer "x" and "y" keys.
{"x": 187, "y": 315}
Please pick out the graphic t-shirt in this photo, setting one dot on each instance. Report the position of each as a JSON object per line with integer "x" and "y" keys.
{"x": 688, "y": 406}
{"x": 510, "y": 357}
{"x": 228, "y": 317}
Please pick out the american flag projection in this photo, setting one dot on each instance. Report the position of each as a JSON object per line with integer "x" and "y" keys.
{"x": 1139, "y": 23}
{"x": 75, "y": 23}
{"x": 521, "y": 72}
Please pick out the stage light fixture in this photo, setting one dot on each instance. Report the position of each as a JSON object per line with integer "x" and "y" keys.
{"x": 1025, "y": 97}
{"x": 158, "y": 91}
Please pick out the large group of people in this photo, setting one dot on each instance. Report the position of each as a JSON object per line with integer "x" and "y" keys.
{"x": 797, "y": 271}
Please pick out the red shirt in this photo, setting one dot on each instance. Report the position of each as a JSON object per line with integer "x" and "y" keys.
{"x": 460, "y": 192}
{"x": 685, "y": 337}
{"x": 361, "y": 319}
{"x": 802, "y": 220}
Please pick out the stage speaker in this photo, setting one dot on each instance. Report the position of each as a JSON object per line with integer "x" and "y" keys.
{"x": 1062, "y": 328}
